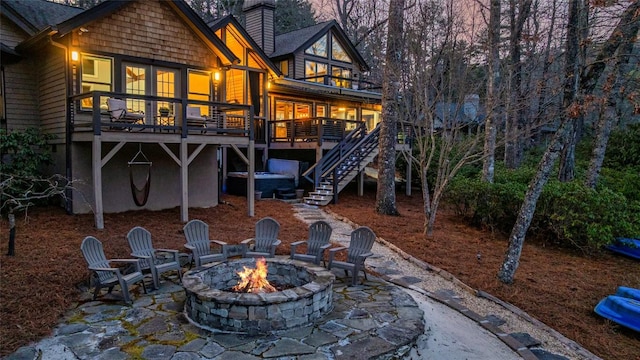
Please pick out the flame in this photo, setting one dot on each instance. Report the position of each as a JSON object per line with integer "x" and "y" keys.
{"x": 254, "y": 280}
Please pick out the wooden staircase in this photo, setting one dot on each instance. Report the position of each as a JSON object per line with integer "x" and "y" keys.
{"x": 341, "y": 165}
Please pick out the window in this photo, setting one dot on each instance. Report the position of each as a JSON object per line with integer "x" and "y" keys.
{"x": 165, "y": 86}
{"x": 371, "y": 117}
{"x": 319, "y": 48}
{"x": 199, "y": 88}
{"x": 341, "y": 77}
{"x": 337, "y": 52}
{"x": 135, "y": 83}
{"x": 315, "y": 71}
{"x": 284, "y": 67}
{"x": 321, "y": 110}
{"x": 96, "y": 76}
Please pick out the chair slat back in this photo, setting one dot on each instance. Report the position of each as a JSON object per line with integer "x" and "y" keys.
{"x": 116, "y": 107}
{"x": 362, "y": 240}
{"x": 140, "y": 243}
{"x": 267, "y": 230}
{"x": 319, "y": 235}
{"x": 94, "y": 256}
{"x": 197, "y": 234}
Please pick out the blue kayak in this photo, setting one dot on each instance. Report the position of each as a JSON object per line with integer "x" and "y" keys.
{"x": 626, "y": 246}
{"x": 622, "y": 308}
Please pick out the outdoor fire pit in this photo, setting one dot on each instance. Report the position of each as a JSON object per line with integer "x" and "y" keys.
{"x": 303, "y": 294}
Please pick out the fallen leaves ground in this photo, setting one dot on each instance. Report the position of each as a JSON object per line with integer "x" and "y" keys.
{"x": 556, "y": 286}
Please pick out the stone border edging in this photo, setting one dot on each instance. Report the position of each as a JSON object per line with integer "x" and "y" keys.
{"x": 509, "y": 340}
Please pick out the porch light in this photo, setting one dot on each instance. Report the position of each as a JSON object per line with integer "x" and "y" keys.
{"x": 75, "y": 56}
{"x": 216, "y": 76}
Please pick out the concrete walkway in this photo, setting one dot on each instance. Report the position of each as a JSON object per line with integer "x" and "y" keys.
{"x": 405, "y": 312}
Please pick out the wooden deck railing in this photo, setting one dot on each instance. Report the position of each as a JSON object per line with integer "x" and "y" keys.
{"x": 317, "y": 129}
{"x": 89, "y": 112}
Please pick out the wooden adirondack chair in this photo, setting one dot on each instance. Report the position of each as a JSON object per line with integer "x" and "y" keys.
{"x": 359, "y": 250}
{"x": 197, "y": 234}
{"x": 152, "y": 259}
{"x": 266, "y": 240}
{"x": 107, "y": 276}
{"x": 317, "y": 243}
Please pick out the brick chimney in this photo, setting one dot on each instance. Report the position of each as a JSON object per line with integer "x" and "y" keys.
{"x": 260, "y": 23}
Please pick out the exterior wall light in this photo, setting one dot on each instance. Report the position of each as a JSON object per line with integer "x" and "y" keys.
{"x": 75, "y": 56}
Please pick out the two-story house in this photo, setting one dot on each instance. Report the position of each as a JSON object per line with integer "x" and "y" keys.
{"x": 151, "y": 106}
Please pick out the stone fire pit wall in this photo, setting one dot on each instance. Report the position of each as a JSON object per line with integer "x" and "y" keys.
{"x": 210, "y": 303}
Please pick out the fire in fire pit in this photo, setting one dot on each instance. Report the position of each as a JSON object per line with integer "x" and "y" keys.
{"x": 303, "y": 295}
{"x": 254, "y": 280}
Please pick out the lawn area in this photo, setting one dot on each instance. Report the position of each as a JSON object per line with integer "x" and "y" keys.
{"x": 556, "y": 286}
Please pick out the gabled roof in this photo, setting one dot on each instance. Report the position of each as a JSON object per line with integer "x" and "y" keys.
{"x": 298, "y": 40}
{"x": 35, "y": 15}
{"x": 110, "y": 6}
{"x": 218, "y": 24}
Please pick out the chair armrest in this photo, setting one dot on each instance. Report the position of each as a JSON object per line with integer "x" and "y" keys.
{"x": 221, "y": 243}
{"x": 93, "y": 268}
{"x": 277, "y": 242}
{"x": 140, "y": 256}
{"x": 364, "y": 256}
{"x": 131, "y": 261}
{"x": 333, "y": 252}
{"x": 246, "y": 241}
{"x": 325, "y": 246}
{"x": 293, "y": 244}
{"x": 167, "y": 250}
{"x": 190, "y": 247}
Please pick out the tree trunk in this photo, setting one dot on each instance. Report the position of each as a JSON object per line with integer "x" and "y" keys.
{"x": 528, "y": 208}
{"x": 491, "y": 123}
{"x": 616, "y": 97}
{"x": 516, "y": 239}
{"x": 12, "y": 234}
{"x": 580, "y": 27}
{"x": 628, "y": 21}
{"x": 515, "y": 134}
{"x": 386, "y": 195}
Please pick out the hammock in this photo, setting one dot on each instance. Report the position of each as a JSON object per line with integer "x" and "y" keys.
{"x": 140, "y": 194}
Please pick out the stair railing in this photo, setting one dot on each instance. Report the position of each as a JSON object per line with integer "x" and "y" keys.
{"x": 335, "y": 154}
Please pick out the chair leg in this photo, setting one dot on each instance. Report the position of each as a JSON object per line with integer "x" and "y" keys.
{"x": 97, "y": 291}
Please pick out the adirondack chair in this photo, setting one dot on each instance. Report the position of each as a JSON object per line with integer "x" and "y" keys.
{"x": 118, "y": 112}
{"x": 359, "y": 250}
{"x": 153, "y": 260}
{"x": 265, "y": 241}
{"x": 318, "y": 242}
{"x": 104, "y": 274}
{"x": 197, "y": 234}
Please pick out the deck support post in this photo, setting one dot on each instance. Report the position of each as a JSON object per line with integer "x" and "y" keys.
{"x": 184, "y": 181}
{"x": 251, "y": 186}
{"x": 97, "y": 180}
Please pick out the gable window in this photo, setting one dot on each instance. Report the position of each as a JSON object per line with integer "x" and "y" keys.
{"x": 341, "y": 77}
{"x": 97, "y": 75}
{"x": 319, "y": 48}
{"x": 315, "y": 71}
{"x": 284, "y": 67}
{"x": 337, "y": 52}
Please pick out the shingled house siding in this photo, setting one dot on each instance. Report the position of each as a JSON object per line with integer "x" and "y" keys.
{"x": 146, "y": 29}
{"x": 20, "y": 89}
{"x": 51, "y": 86}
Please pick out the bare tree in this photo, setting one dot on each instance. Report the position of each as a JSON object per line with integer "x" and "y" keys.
{"x": 574, "y": 84}
{"x": 493, "y": 83}
{"x": 386, "y": 195}
{"x": 515, "y": 124}
{"x": 19, "y": 193}
{"x": 438, "y": 79}
{"x": 612, "y": 109}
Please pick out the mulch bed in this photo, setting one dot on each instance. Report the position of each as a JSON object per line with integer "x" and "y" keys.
{"x": 554, "y": 285}
{"x": 557, "y": 286}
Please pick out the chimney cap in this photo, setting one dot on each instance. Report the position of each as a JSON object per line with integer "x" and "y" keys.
{"x": 249, "y": 4}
